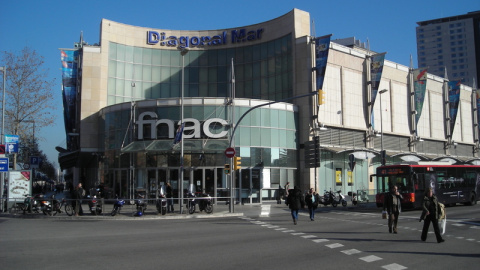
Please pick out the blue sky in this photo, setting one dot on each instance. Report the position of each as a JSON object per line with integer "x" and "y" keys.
{"x": 48, "y": 25}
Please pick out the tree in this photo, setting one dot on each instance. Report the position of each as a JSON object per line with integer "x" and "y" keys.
{"x": 29, "y": 98}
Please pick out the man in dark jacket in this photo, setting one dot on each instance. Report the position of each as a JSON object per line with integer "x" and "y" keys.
{"x": 295, "y": 202}
{"x": 392, "y": 204}
{"x": 431, "y": 214}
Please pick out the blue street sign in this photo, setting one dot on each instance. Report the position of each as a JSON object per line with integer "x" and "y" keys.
{"x": 3, "y": 164}
{"x": 35, "y": 162}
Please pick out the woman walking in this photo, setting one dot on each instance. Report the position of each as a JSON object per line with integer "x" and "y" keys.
{"x": 312, "y": 198}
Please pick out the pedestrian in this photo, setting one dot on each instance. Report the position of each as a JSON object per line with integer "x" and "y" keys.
{"x": 169, "y": 198}
{"x": 431, "y": 214}
{"x": 392, "y": 204}
{"x": 295, "y": 202}
{"x": 79, "y": 194}
{"x": 287, "y": 186}
{"x": 312, "y": 199}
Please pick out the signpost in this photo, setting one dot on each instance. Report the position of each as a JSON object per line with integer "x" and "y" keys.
{"x": 230, "y": 152}
{"x": 3, "y": 164}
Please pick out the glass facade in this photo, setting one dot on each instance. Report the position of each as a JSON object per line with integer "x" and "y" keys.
{"x": 262, "y": 71}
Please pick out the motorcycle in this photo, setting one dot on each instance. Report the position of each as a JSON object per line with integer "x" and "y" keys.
{"x": 117, "y": 206}
{"x": 341, "y": 199}
{"x": 162, "y": 201}
{"x": 191, "y": 199}
{"x": 141, "y": 205}
{"x": 52, "y": 207}
{"x": 94, "y": 204}
{"x": 328, "y": 198}
{"x": 205, "y": 203}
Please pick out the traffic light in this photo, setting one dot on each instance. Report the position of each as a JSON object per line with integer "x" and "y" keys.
{"x": 321, "y": 97}
{"x": 351, "y": 161}
{"x": 227, "y": 169}
{"x": 237, "y": 163}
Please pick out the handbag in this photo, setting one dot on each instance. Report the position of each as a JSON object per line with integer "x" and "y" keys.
{"x": 443, "y": 225}
{"x": 384, "y": 214}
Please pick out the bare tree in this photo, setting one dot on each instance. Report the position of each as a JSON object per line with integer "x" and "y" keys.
{"x": 29, "y": 95}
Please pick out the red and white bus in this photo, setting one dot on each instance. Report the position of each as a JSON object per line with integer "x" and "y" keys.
{"x": 452, "y": 184}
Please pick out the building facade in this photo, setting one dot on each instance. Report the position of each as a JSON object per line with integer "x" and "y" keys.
{"x": 252, "y": 88}
{"x": 451, "y": 43}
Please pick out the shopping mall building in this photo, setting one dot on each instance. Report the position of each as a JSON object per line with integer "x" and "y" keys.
{"x": 253, "y": 88}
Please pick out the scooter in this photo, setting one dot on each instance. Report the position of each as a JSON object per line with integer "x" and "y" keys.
{"x": 341, "y": 199}
{"x": 162, "y": 201}
{"x": 328, "y": 198}
{"x": 141, "y": 205}
{"x": 94, "y": 205}
{"x": 359, "y": 197}
{"x": 117, "y": 206}
{"x": 205, "y": 203}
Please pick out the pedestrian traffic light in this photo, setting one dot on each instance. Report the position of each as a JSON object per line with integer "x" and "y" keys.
{"x": 227, "y": 169}
{"x": 321, "y": 97}
{"x": 237, "y": 163}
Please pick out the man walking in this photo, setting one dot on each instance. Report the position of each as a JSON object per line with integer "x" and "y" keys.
{"x": 392, "y": 204}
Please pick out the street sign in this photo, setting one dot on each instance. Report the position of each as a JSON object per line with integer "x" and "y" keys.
{"x": 230, "y": 152}
{"x": 34, "y": 162}
{"x": 3, "y": 164}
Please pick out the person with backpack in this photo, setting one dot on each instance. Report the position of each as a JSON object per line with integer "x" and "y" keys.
{"x": 431, "y": 213}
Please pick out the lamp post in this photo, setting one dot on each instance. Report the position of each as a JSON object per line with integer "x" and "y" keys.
{"x": 2, "y": 176}
{"x": 381, "y": 127}
{"x": 183, "y": 52}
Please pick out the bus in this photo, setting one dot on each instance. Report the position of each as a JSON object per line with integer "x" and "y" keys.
{"x": 451, "y": 184}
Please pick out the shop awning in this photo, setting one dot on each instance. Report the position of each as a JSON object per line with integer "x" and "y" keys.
{"x": 167, "y": 146}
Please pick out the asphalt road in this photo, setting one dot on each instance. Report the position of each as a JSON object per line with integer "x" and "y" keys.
{"x": 256, "y": 237}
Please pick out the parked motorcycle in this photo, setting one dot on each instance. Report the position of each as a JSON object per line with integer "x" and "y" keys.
{"x": 162, "y": 201}
{"x": 141, "y": 205}
{"x": 94, "y": 204}
{"x": 30, "y": 205}
{"x": 117, "y": 206}
{"x": 191, "y": 199}
{"x": 205, "y": 203}
{"x": 341, "y": 199}
{"x": 328, "y": 198}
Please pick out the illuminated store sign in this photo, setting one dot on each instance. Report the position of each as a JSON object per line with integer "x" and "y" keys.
{"x": 236, "y": 36}
{"x": 191, "y": 124}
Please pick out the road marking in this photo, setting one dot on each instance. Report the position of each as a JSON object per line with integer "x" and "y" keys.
{"x": 280, "y": 229}
{"x": 309, "y": 236}
{"x": 335, "y": 245}
{"x": 298, "y": 233}
{"x": 371, "y": 258}
{"x": 394, "y": 266}
{"x": 470, "y": 239}
{"x": 265, "y": 212}
{"x": 475, "y": 227}
{"x": 272, "y": 226}
{"x": 320, "y": 240}
{"x": 351, "y": 251}
{"x": 459, "y": 237}
{"x": 287, "y": 231}
{"x": 458, "y": 224}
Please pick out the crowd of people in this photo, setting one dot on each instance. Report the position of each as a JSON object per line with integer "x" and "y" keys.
{"x": 432, "y": 210}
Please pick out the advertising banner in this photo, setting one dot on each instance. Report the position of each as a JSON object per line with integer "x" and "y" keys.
{"x": 322, "y": 45}
{"x": 454, "y": 101}
{"x": 69, "y": 87}
{"x": 19, "y": 185}
{"x": 420, "y": 86}
{"x": 376, "y": 69}
{"x": 11, "y": 144}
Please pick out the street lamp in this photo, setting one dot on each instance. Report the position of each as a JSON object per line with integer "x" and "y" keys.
{"x": 183, "y": 52}
{"x": 381, "y": 127}
{"x": 2, "y": 176}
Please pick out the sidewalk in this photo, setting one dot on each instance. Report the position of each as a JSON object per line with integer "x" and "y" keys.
{"x": 221, "y": 209}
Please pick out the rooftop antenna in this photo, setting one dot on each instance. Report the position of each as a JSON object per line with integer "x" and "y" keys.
{"x": 411, "y": 62}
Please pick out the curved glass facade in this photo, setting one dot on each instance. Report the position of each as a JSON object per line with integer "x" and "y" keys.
{"x": 262, "y": 71}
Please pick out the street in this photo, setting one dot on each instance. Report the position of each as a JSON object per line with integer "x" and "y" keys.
{"x": 264, "y": 237}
